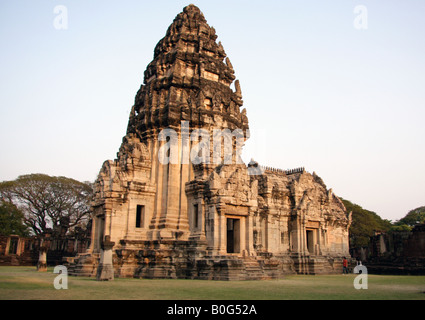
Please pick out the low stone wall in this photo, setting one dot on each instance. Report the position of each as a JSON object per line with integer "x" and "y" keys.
{"x": 23, "y": 251}
{"x": 397, "y": 253}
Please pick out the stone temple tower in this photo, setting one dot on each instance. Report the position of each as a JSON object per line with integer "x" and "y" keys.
{"x": 188, "y": 82}
{"x": 178, "y": 202}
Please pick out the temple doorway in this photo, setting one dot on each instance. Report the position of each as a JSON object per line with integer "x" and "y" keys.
{"x": 233, "y": 235}
{"x": 310, "y": 241}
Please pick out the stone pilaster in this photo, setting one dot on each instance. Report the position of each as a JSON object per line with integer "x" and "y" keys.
{"x": 105, "y": 270}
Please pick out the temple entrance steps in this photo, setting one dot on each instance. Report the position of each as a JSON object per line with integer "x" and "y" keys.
{"x": 84, "y": 265}
{"x": 310, "y": 264}
{"x": 254, "y": 270}
{"x": 237, "y": 268}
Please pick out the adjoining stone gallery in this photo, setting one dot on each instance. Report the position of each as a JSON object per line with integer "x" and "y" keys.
{"x": 204, "y": 219}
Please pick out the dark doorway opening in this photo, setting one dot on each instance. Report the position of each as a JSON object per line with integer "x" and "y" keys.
{"x": 13, "y": 246}
{"x": 310, "y": 240}
{"x": 140, "y": 216}
{"x": 233, "y": 235}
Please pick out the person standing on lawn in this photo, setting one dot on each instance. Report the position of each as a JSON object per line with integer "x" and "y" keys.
{"x": 345, "y": 266}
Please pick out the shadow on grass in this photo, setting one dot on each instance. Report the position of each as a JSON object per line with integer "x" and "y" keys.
{"x": 26, "y": 283}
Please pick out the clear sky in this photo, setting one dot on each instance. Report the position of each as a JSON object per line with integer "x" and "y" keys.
{"x": 321, "y": 92}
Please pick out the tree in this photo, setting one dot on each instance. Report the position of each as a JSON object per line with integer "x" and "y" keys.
{"x": 364, "y": 225}
{"x": 48, "y": 203}
{"x": 400, "y": 228}
{"x": 54, "y": 204}
{"x": 12, "y": 220}
{"x": 413, "y": 217}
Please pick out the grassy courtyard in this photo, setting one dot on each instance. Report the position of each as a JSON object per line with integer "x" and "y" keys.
{"x": 25, "y": 283}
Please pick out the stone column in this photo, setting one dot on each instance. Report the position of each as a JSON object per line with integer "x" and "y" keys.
{"x": 303, "y": 233}
{"x": 157, "y": 175}
{"x": 249, "y": 233}
{"x": 242, "y": 235}
{"x": 42, "y": 257}
{"x": 202, "y": 219}
{"x": 296, "y": 232}
{"x": 168, "y": 195}
{"x": 183, "y": 218}
{"x": 267, "y": 232}
{"x": 91, "y": 246}
{"x": 319, "y": 241}
{"x": 325, "y": 247}
{"x": 108, "y": 219}
{"x": 105, "y": 270}
{"x": 214, "y": 241}
{"x": 222, "y": 232}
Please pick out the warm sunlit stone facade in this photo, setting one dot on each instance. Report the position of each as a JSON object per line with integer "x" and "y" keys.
{"x": 174, "y": 204}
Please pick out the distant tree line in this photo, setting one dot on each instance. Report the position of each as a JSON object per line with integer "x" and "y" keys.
{"x": 412, "y": 218}
{"x": 366, "y": 223}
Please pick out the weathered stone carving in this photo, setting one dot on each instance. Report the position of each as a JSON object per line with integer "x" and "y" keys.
{"x": 212, "y": 219}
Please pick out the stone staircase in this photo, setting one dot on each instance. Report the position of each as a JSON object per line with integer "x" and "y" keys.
{"x": 254, "y": 270}
{"x": 84, "y": 265}
{"x": 314, "y": 265}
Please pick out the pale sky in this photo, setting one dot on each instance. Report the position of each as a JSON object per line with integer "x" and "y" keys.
{"x": 320, "y": 92}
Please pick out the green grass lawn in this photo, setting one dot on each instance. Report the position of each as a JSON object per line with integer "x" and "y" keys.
{"x": 25, "y": 283}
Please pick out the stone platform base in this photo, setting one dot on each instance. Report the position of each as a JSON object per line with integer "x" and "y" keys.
{"x": 190, "y": 260}
{"x": 317, "y": 264}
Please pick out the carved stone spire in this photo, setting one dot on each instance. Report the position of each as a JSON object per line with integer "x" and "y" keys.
{"x": 188, "y": 80}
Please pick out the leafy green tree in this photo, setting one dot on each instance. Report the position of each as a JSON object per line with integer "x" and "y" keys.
{"x": 364, "y": 224}
{"x": 12, "y": 220}
{"x": 413, "y": 217}
{"x": 49, "y": 203}
{"x": 400, "y": 227}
